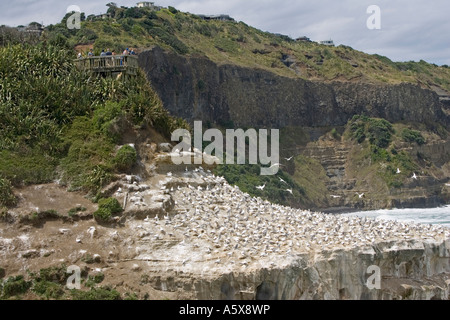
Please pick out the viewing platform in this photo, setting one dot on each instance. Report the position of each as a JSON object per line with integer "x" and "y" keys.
{"x": 110, "y": 65}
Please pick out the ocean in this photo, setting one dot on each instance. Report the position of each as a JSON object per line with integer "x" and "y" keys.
{"x": 439, "y": 215}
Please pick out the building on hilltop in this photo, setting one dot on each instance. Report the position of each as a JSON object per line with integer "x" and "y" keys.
{"x": 327, "y": 42}
{"x": 221, "y": 17}
{"x": 147, "y": 4}
{"x": 304, "y": 38}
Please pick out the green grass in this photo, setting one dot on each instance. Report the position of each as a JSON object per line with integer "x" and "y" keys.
{"x": 106, "y": 209}
{"x": 240, "y": 44}
{"x": 50, "y": 284}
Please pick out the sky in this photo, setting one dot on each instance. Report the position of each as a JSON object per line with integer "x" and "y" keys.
{"x": 409, "y": 29}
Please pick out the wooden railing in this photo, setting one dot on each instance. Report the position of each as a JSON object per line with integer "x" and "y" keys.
{"x": 109, "y": 64}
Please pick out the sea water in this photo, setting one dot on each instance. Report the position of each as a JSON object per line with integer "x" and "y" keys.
{"x": 439, "y": 215}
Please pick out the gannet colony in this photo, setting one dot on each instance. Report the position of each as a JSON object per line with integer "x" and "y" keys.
{"x": 191, "y": 235}
{"x": 219, "y": 234}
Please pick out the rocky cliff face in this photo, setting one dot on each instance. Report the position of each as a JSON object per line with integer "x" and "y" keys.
{"x": 196, "y": 88}
{"x": 190, "y": 235}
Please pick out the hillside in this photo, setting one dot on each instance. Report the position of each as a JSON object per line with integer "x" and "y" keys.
{"x": 229, "y": 74}
{"x": 230, "y": 42}
{"x": 87, "y": 179}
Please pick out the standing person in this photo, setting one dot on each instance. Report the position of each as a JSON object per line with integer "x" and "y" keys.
{"x": 90, "y": 53}
{"x": 125, "y": 52}
{"x": 80, "y": 56}
{"x": 102, "y": 53}
{"x": 108, "y": 52}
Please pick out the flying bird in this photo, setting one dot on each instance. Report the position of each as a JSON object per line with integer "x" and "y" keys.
{"x": 282, "y": 180}
{"x": 289, "y": 159}
{"x": 335, "y": 197}
{"x": 398, "y": 170}
{"x": 414, "y": 176}
{"x": 261, "y": 187}
{"x": 360, "y": 195}
{"x": 289, "y": 190}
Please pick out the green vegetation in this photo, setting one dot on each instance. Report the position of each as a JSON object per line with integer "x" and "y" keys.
{"x": 7, "y": 197}
{"x": 107, "y": 208}
{"x": 378, "y": 131}
{"x": 237, "y": 43}
{"x": 14, "y": 286}
{"x": 56, "y": 120}
{"x": 125, "y": 158}
{"x": 247, "y": 177}
{"x": 50, "y": 284}
{"x": 413, "y": 136}
{"x": 380, "y": 135}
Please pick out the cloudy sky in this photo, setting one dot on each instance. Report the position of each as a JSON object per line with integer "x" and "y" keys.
{"x": 410, "y": 29}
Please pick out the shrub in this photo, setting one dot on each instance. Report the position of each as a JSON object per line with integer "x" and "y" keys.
{"x": 413, "y": 136}
{"x": 106, "y": 209}
{"x": 125, "y": 158}
{"x": 7, "y": 197}
{"x": 48, "y": 289}
{"x": 103, "y": 293}
{"x": 14, "y": 286}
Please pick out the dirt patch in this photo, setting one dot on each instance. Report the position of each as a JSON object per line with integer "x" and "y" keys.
{"x": 44, "y": 197}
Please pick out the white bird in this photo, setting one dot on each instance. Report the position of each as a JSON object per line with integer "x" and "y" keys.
{"x": 447, "y": 184}
{"x": 414, "y": 176}
{"x": 282, "y": 180}
{"x": 398, "y": 170}
{"x": 289, "y": 159}
{"x": 360, "y": 195}
{"x": 261, "y": 187}
{"x": 335, "y": 197}
{"x": 289, "y": 190}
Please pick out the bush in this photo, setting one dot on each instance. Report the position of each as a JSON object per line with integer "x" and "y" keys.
{"x": 7, "y": 197}
{"x": 413, "y": 136}
{"x": 103, "y": 293}
{"x": 14, "y": 286}
{"x": 378, "y": 131}
{"x": 48, "y": 289}
{"x": 125, "y": 158}
{"x": 106, "y": 209}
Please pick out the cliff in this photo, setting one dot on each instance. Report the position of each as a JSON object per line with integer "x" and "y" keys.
{"x": 196, "y": 88}
{"x": 190, "y": 235}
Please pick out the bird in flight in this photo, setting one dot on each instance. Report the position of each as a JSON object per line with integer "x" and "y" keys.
{"x": 289, "y": 190}
{"x": 281, "y": 179}
{"x": 261, "y": 187}
{"x": 289, "y": 159}
{"x": 398, "y": 170}
{"x": 414, "y": 176}
{"x": 360, "y": 195}
{"x": 335, "y": 197}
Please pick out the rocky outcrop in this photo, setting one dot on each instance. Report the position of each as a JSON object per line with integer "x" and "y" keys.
{"x": 196, "y": 88}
